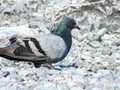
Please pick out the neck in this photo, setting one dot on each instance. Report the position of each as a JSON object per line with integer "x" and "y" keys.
{"x": 66, "y": 35}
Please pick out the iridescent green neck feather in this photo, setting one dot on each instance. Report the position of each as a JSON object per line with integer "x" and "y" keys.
{"x": 60, "y": 29}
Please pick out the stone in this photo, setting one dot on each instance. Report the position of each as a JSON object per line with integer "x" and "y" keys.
{"x": 95, "y": 44}
{"x": 23, "y": 72}
{"x": 116, "y": 55}
{"x": 5, "y": 81}
{"x": 102, "y": 31}
{"x": 116, "y": 88}
{"x": 6, "y": 62}
{"x": 96, "y": 89}
{"x": 62, "y": 87}
{"x": 76, "y": 88}
{"x": 18, "y": 8}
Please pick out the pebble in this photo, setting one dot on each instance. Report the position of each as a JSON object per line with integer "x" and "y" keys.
{"x": 62, "y": 87}
{"x": 76, "y": 88}
{"x": 116, "y": 55}
{"x": 116, "y": 88}
{"x": 96, "y": 89}
{"x": 6, "y": 62}
{"x": 72, "y": 84}
{"x": 23, "y": 72}
{"x": 6, "y": 74}
{"x": 86, "y": 57}
{"x": 5, "y": 81}
{"x": 102, "y": 32}
{"x": 95, "y": 44}
{"x": 18, "y": 8}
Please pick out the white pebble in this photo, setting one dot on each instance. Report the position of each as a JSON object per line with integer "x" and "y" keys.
{"x": 102, "y": 31}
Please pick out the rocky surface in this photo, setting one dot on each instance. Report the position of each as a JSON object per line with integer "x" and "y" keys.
{"x": 93, "y": 63}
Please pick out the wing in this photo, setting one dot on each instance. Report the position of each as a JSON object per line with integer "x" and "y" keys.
{"x": 9, "y": 54}
{"x": 18, "y": 50}
{"x": 43, "y": 45}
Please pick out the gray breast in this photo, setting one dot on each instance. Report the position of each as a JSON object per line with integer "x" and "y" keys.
{"x": 53, "y": 45}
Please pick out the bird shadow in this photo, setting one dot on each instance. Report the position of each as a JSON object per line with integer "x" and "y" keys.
{"x": 62, "y": 66}
{"x": 65, "y": 66}
{"x": 59, "y": 67}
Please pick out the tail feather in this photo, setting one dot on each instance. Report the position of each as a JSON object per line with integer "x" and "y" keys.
{"x": 7, "y": 50}
{"x": 14, "y": 51}
{"x": 9, "y": 54}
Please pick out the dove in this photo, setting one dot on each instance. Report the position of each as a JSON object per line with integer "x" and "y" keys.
{"x": 38, "y": 49}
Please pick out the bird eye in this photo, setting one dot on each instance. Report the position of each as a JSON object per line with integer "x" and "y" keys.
{"x": 72, "y": 23}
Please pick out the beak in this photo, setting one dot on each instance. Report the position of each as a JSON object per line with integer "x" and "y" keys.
{"x": 77, "y": 27}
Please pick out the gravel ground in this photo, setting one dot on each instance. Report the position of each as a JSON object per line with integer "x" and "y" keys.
{"x": 93, "y": 62}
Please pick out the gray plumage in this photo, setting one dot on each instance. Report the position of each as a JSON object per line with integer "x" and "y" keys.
{"x": 43, "y": 48}
{"x": 53, "y": 45}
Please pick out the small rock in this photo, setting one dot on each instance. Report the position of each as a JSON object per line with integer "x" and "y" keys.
{"x": 78, "y": 63}
{"x": 76, "y": 88}
{"x": 39, "y": 87}
{"x": 116, "y": 55}
{"x": 5, "y": 81}
{"x": 109, "y": 86}
{"x": 50, "y": 88}
{"x": 62, "y": 87}
{"x": 76, "y": 34}
{"x": 2, "y": 88}
{"x": 95, "y": 44}
{"x": 102, "y": 31}
{"x": 11, "y": 69}
{"x": 86, "y": 57}
{"x": 23, "y": 72}
{"x": 72, "y": 84}
{"x": 49, "y": 84}
{"x": 96, "y": 89}
{"x": 77, "y": 78}
{"x": 18, "y": 8}
{"x": 6, "y": 74}
{"x": 6, "y": 62}
{"x": 116, "y": 88}
{"x": 41, "y": 24}
{"x": 8, "y": 11}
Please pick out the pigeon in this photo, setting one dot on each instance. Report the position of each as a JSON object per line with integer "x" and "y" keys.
{"x": 50, "y": 48}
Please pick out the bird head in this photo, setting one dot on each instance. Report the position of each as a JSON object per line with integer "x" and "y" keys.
{"x": 67, "y": 24}
{"x": 71, "y": 23}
